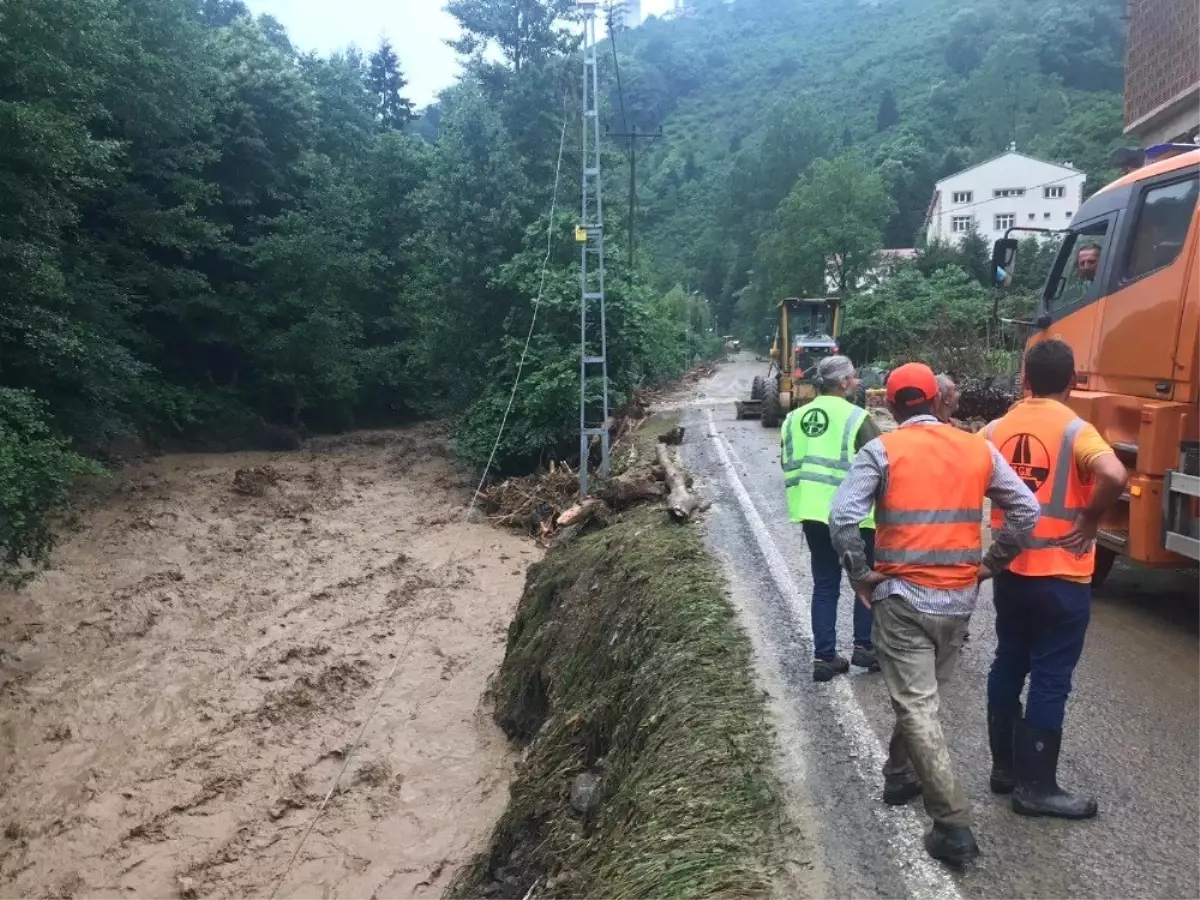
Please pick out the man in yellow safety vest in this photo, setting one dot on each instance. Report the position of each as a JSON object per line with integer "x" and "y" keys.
{"x": 818, "y": 442}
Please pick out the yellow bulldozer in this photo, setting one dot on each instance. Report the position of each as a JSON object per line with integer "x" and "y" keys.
{"x": 808, "y": 331}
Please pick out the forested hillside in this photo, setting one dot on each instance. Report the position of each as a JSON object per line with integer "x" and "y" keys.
{"x": 893, "y": 93}
{"x": 211, "y": 239}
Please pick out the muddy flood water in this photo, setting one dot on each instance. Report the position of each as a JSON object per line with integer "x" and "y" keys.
{"x": 178, "y": 691}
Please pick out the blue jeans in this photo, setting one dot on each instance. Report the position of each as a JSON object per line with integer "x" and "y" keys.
{"x": 1040, "y": 626}
{"x": 827, "y": 586}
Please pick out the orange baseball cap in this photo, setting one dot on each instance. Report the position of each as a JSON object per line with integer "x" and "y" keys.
{"x": 915, "y": 377}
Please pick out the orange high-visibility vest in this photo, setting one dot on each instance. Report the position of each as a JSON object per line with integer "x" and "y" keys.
{"x": 929, "y": 521}
{"x": 1039, "y": 443}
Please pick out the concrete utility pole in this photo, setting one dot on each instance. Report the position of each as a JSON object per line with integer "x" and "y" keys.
{"x": 593, "y": 333}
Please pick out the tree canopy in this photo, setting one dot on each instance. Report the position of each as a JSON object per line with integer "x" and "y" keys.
{"x": 211, "y": 239}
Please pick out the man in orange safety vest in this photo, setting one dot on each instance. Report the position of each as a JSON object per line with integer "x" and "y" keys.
{"x": 1043, "y": 601}
{"x": 927, "y": 481}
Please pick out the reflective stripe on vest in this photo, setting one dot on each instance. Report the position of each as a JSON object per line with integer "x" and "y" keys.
{"x": 929, "y": 526}
{"x": 814, "y": 467}
{"x": 1066, "y": 499}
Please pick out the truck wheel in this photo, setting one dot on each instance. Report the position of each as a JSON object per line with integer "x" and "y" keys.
{"x": 1104, "y": 563}
{"x": 758, "y": 387}
{"x": 772, "y": 412}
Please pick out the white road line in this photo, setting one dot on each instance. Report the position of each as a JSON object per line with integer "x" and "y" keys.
{"x": 903, "y": 826}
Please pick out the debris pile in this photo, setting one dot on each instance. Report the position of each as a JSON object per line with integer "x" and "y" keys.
{"x": 531, "y": 502}
{"x": 876, "y": 398}
{"x": 254, "y": 481}
{"x": 986, "y": 398}
{"x": 546, "y": 503}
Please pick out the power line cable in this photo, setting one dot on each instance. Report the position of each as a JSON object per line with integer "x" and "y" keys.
{"x": 402, "y": 654}
{"x": 612, "y": 43}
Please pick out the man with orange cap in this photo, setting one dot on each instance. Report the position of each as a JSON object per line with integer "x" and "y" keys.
{"x": 1043, "y": 602}
{"x": 927, "y": 481}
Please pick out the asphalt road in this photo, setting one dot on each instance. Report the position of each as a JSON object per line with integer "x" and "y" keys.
{"x": 1132, "y": 722}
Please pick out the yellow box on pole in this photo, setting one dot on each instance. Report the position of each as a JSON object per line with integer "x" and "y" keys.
{"x": 580, "y": 234}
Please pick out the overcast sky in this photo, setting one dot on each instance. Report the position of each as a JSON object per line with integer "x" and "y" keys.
{"x": 418, "y": 30}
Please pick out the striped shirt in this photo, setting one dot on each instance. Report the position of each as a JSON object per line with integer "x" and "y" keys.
{"x": 865, "y": 484}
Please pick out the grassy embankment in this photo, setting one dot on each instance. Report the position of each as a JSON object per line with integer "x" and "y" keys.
{"x": 626, "y": 663}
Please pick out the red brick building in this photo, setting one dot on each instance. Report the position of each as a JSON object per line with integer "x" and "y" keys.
{"x": 1162, "y": 70}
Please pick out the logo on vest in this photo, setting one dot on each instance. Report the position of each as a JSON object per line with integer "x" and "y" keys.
{"x": 1028, "y": 457}
{"x": 814, "y": 423}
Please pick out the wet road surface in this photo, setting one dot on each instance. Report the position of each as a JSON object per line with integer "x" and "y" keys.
{"x": 1132, "y": 722}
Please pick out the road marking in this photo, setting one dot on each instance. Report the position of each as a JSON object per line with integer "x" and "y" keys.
{"x": 903, "y": 826}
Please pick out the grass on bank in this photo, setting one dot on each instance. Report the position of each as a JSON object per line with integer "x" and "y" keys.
{"x": 626, "y": 660}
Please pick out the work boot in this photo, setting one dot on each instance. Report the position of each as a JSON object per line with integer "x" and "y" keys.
{"x": 825, "y": 669}
{"x": 1035, "y": 758}
{"x": 1001, "y": 724}
{"x": 953, "y": 844}
{"x": 866, "y": 658}
{"x": 898, "y": 790}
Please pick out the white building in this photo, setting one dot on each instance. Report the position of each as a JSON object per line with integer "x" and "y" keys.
{"x": 1011, "y": 189}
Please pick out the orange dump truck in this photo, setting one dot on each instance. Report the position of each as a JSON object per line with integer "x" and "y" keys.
{"x": 1124, "y": 292}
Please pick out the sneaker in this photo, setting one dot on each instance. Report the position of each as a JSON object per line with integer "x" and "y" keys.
{"x": 865, "y": 658}
{"x": 899, "y": 792}
{"x": 825, "y": 669}
{"x": 953, "y": 844}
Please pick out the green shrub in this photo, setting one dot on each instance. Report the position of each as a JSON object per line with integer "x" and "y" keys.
{"x": 37, "y": 472}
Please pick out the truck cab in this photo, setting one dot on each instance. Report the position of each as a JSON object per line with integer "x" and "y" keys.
{"x": 1124, "y": 292}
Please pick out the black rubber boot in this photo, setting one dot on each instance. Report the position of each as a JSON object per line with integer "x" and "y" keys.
{"x": 1037, "y": 793}
{"x": 865, "y": 658}
{"x": 953, "y": 844}
{"x": 826, "y": 669}
{"x": 1001, "y": 725}
{"x": 897, "y": 792}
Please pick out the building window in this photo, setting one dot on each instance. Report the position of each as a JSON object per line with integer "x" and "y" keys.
{"x": 1069, "y": 215}
{"x": 1032, "y": 216}
{"x": 961, "y": 224}
{"x": 1005, "y": 221}
{"x": 1045, "y": 215}
{"x": 1162, "y": 226}
{"x": 1009, "y": 192}
{"x": 963, "y": 196}
{"x": 1056, "y": 192}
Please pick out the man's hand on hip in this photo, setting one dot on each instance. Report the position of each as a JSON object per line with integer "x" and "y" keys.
{"x": 864, "y": 588}
{"x": 1082, "y": 536}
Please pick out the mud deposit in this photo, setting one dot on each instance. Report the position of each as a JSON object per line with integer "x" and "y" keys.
{"x": 179, "y": 690}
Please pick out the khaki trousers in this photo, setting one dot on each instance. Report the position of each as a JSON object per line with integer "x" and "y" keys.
{"x": 917, "y": 653}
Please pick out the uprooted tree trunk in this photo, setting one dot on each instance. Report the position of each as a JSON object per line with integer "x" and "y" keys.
{"x": 633, "y": 487}
{"x": 681, "y": 503}
{"x": 580, "y": 512}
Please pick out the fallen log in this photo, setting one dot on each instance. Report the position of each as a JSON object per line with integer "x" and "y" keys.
{"x": 681, "y": 503}
{"x": 632, "y": 488}
{"x": 580, "y": 512}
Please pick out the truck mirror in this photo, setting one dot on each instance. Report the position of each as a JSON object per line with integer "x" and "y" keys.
{"x": 1004, "y": 257}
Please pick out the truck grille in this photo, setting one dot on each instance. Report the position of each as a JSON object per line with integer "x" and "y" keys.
{"x": 1190, "y": 459}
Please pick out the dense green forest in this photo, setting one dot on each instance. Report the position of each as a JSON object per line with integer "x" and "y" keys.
{"x": 892, "y": 94}
{"x": 209, "y": 238}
